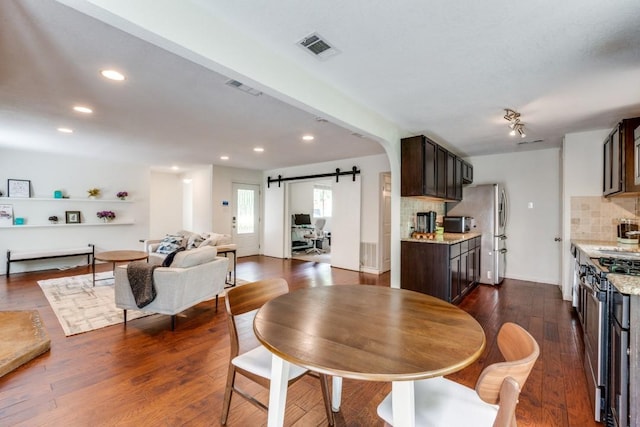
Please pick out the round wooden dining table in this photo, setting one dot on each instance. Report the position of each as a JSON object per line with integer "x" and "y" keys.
{"x": 368, "y": 333}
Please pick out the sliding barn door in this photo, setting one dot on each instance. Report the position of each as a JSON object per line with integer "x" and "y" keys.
{"x": 345, "y": 223}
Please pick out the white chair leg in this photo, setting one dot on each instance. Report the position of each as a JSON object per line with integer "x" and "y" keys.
{"x": 277, "y": 391}
{"x": 403, "y": 404}
{"x": 336, "y": 393}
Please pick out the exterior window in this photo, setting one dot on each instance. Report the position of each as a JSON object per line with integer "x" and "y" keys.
{"x": 245, "y": 211}
{"x": 321, "y": 202}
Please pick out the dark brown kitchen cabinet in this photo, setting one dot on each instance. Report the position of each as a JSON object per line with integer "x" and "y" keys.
{"x": 467, "y": 173}
{"x": 424, "y": 267}
{"x": 613, "y": 164}
{"x": 454, "y": 177}
{"x": 457, "y": 179}
{"x": 419, "y": 167}
{"x": 445, "y": 271}
{"x": 430, "y": 170}
{"x": 441, "y": 172}
{"x": 620, "y": 161}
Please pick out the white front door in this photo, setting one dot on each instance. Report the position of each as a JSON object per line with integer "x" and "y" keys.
{"x": 246, "y": 218}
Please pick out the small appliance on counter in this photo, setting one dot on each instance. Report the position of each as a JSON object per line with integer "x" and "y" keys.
{"x": 457, "y": 224}
{"x": 628, "y": 231}
{"x": 426, "y": 222}
{"x": 425, "y": 226}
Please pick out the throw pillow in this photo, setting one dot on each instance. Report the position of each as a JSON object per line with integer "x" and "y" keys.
{"x": 195, "y": 240}
{"x": 169, "y": 244}
{"x": 169, "y": 258}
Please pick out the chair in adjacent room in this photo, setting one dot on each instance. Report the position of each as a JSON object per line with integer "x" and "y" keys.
{"x": 248, "y": 357}
{"x": 317, "y": 236}
{"x": 442, "y": 402}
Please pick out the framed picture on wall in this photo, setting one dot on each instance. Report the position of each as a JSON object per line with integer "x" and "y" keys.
{"x": 6, "y": 215}
{"x": 72, "y": 217}
{"x": 19, "y": 188}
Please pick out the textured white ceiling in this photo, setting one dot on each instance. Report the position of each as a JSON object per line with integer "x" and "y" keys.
{"x": 442, "y": 68}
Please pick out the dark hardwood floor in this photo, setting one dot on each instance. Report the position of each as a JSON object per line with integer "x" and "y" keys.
{"x": 146, "y": 375}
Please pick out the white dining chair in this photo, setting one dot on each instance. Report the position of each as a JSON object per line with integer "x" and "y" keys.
{"x": 442, "y": 402}
{"x": 251, "y": 359}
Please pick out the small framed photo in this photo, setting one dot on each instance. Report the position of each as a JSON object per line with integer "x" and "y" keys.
{"x": 72, "y": 217}
{"x": 19, "y": 188}
{"x": 6, "y": 215}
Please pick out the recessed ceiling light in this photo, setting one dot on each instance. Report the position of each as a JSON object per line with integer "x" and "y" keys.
{"x": 224, "y": 157}
{"x": 112, "y": 75}
{"x": 258, "y": 149}
{"x": 82, "y": 109}
{"x": 65, "y": 130}
{"x": 175, "y": 168}
{"x": 308, "y": 137}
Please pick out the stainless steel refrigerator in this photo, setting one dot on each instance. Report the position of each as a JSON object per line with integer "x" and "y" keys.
{"x": 488, "y": 206}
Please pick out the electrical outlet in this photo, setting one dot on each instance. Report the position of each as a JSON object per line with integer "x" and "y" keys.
{"x": 489, "y": 274}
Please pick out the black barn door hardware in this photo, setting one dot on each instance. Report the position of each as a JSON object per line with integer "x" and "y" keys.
{"x": 354, "y": 171}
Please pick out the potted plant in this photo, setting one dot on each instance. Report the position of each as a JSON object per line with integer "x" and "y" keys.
{"x": 106, "y": 216}
{"x": 53, "y": 219}
{"x": 93, "y": 192}
{"x": 122, "y": 195}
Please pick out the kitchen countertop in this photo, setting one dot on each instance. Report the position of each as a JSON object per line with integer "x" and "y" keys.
{"x": 446, "y": 238}
{"x": 624, "y": 283}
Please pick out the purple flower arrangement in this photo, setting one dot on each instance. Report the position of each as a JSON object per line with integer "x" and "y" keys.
{"x": 122, "y": 195}
{"x": 106, "y": 214}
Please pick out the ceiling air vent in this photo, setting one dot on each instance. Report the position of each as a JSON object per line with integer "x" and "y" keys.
{"x": 317, "y": 46}
{"x": 243, "y": 87}
{"x": 530, "y": 142}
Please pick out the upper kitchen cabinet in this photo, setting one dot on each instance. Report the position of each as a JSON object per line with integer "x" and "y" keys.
{"x": 430, "y": 170}
{"x": 454, "y": 177}
{"x": 621, "y": 160}
{"x": 467, "y": 173}
{"x": 418, "y": 179}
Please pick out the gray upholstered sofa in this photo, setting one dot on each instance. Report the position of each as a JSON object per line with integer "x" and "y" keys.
{"x": 194, "y": 276}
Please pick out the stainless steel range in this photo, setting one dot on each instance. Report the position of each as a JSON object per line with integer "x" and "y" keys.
{"x": 620, "y": 266}
{"x": 593, "y": 312}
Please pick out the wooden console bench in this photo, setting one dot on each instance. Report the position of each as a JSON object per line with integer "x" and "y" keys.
{"x": 19, "y": 256}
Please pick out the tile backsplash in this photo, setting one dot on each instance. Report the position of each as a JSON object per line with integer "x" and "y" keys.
{"x": 597, "y": 218}
{"x": 410, "y": 206}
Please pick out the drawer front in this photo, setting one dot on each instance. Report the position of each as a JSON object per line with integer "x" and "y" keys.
{"x": 454, "y": 250}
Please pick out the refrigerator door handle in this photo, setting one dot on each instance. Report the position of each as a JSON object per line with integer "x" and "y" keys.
{"x": 504, "y": 213}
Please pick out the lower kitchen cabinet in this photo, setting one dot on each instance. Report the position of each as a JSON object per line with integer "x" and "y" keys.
{"x": 445, "y": 271}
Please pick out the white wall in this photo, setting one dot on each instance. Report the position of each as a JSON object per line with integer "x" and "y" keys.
{"x": 73, "y": 175}
{"x": 582, "y": 168}
{"x": 165, "y": 201}
{"x": 529, "y": 177}
{"x": 370, "y": 168}
{"x": 201, "y": 219}
{"x": 301, "y": 197}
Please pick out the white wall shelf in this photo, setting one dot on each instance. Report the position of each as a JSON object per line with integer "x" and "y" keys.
{"x": 51, "y": 199}
{"x": 83, "y": 224}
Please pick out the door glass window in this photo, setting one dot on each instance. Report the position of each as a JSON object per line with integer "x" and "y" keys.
{"x": 245, "y": 211}
{"x": 322, "y": 200}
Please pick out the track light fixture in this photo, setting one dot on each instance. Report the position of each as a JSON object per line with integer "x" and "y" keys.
{"x": 513, "y": 117}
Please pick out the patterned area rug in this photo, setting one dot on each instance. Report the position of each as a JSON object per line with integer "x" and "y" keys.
{"x": 81, "y": 307}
